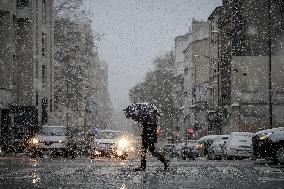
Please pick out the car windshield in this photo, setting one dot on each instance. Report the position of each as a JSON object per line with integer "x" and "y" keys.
{"x": 53, "y": 131}
{"x": 107, "y": 135}
{"x": 242, "y": 139}
{"x": 191, "y": 143}
{"x": 216, "y": 142}
{"x": 168, "y": 146}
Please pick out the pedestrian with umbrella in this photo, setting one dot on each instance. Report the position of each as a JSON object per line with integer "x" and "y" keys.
{"x": 146, "y": 114}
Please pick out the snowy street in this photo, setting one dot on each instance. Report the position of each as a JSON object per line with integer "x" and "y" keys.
{"x": 142, "y": 94}
{"x": 111, "y": 173}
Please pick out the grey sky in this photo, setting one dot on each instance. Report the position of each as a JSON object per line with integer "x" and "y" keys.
{"x": 136, "y": 31}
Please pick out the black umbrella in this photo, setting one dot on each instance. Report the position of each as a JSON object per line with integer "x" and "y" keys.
{"x": 142, "y": 112}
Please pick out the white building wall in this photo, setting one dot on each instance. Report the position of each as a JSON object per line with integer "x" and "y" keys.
{"x": 250, "y": 97}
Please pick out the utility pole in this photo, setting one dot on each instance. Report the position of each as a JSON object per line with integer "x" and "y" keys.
{"x": 269, "y": 64}
{"x": 67, "y": 101}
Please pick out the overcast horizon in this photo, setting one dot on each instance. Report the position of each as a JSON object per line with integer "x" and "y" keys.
{"x": 135, "y": 32}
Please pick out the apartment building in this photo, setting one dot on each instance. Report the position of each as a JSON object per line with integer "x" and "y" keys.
{"x": 250, "y": 64}
{"x": 181, "y": 43}
{"x": 200, "y": 76}
{"x": 26, "y": 67}
{"x": 214, "y": 113}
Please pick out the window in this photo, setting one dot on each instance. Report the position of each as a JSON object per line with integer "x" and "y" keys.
{"x": 44, "y": 12}
{"x": 43, "y": 48}
{"x": 43, "y": 70}
{"x": 44, "y": 104}
{"x": 23, "y": 3}
{"x": 36, "y": 98}
{"x": 50, "y": 105}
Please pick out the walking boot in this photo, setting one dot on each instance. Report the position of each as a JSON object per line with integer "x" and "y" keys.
{"x": 166, "y": 164}
{"x": 140, "y": 168}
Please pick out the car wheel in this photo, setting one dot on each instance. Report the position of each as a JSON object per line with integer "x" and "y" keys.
{"x": 92, "y": 156}
{"x": 279, "y": 156}
{"x": 72, "y": 154}
{"x": 33, "y": 155}
{"x": 65, "y": 154}
{"x": 210, "y": 156}
{"x": 228, "y": 157}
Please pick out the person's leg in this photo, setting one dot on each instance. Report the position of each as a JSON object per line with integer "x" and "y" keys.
{"x": 144, "y": 153}
{"x": 158, "y": 155}
{"x": 155, "y": 153}
{"x": 143, "y": 156}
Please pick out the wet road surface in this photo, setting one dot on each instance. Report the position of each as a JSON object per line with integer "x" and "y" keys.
{"x": 111, "y": 173}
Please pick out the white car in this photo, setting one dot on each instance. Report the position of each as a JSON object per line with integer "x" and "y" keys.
{"x": 239, "y": 145}
{"x": 205, "y": 142}
{"x": 178, "y": 147}
{"x": 111, "y": 143}
{"x": 216, "y": 149}
{"x": 52, "y": 140}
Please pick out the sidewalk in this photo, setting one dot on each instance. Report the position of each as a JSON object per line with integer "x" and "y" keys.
{"x": 20, "y": 154}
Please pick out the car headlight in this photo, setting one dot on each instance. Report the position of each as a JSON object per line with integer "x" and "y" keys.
{"x": 119, "y": 152}
{"x": 123, "y": 143}
{"x": 264, "y": 136}
{"x": 35, "y": 141}
{"x": 198, "y": 146}
{"x": 61, "y": 141}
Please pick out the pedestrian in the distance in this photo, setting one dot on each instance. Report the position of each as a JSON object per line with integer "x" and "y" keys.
{"x": 149, "y": 138}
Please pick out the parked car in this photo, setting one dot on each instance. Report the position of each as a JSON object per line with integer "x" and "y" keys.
{"x": 52, "y": 140}
{"x": 269, "y": 144}
{"x": 216, "y": 149}
{"x": 204, "y": 143}
{"x": 111, "y": 143}
{"x": 189, "y": 150}
{"x": 178, "y": 148}
{"x": 169, "y": 150}
{"x": 238, "y": 145}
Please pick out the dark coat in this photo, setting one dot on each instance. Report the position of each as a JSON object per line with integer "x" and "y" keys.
{"x": 149, "y": 132}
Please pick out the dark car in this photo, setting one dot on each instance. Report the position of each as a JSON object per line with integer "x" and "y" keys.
{"x": 269, "y": 144}
{"x": 189, "y": 150}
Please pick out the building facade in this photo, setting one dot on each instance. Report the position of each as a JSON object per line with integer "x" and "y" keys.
{"x": 214, "y": 113}
{"x": 181, "y": 43}
{"x": 187, "y": 95}
{"x": 192, "y": 82}
{"x": 26, "y": 67}
{"x": 250, "y": 64}
{"x": 200, "y": 77}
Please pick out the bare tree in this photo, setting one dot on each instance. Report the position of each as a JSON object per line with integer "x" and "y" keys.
{"x": 62, "y": 7}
